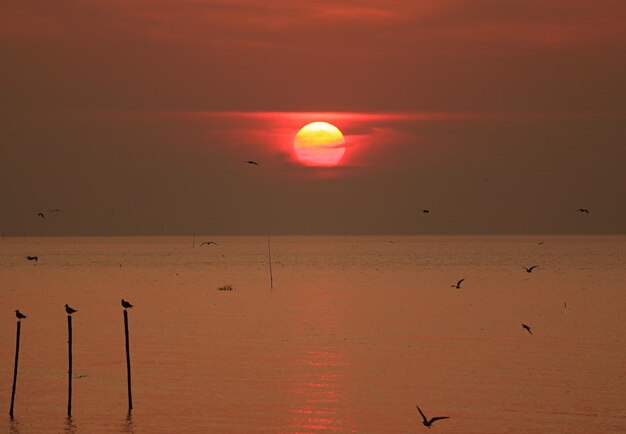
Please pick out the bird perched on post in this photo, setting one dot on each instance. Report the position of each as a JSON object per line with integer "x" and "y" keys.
{"x": 126, "y": 304}
{"x": 69, "y": 310}
{"x": 19, "y": 314}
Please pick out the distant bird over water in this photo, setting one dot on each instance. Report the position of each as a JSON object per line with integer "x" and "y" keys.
{"x": 126, "y": 304}
{"x": 40, "y": 214}
{"x": 33, "y": 258}
{"x": 428, "y": 422}
{"x": 530, "y": 270}
{"x": 458, "y": 284}
{"x": 69, "y": 310}
{"x": 208, "y": 243}
{"x": 252, "y": 162}
{"x": 425, "y": 211}
{"x": 527, "y": 327}
{"x": 19, "y": 314}
{"x": 585, "y": 210}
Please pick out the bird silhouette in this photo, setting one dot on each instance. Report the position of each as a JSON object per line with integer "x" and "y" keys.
{"x": 69, "y": 310}
{"x": 208, "y": 243}
{"x": 585, "y": 210}
{"x": 540, "y": 243}
{"x": 252, "y": 162}
{"x": 428, "y": 422}
{"x": 126, "y": 304}
{"x": 458, "y": 284}
{"x": 19, "y": 314}
{"x": 40, "y": 214}
{"x": 33, "y": 258}
{"x": 527, "y": 327}
{"x": 425, "y": 211}
{"x": 530, "y": 270}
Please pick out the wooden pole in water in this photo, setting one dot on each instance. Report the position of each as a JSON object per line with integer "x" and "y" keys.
{"x": 17, "y": 356}
{"x": 69, "y": 387}
{"x": 130, "y": 394}
{"x": 269, "y": 259}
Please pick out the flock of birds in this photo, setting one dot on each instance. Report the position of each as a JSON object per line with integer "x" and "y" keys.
{"x": 427, "y": 422}
{"x": 70, "y": 310}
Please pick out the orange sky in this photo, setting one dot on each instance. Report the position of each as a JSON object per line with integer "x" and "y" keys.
{"x": 135, "y": 117}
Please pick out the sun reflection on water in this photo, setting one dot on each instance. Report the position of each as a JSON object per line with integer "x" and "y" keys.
{"x": 318, "y": 389}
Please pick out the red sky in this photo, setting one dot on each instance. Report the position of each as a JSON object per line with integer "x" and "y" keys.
{"x": 136, "y": 117}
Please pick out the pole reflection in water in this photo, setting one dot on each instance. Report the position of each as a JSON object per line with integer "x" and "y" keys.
{"x": 14, "y": 426}
{"x": 70, "y": 426}
{"x": 318, "y": 386}
{"x": 128, "y": 423}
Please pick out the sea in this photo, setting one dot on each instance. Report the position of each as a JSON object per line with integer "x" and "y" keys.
{"x": 345, "y": 334}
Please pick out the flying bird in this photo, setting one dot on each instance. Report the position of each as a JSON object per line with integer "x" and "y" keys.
{"x": 126, "y": 304}
{"x": 530, "y": 270}
{"x": 458, "y": 284}
{"x": 252, "y": 162}
{"x": 69, "y": 310}
{"x": 33, "y": 258}
{"x": 19, "y": 314}
{"x": 583, "y": 210}
{"x": 40, "y": 214}
{"x": 428, "y": 422}
{"x": 540, "y": 243}
{"x": 527, "y": 328}
{"x": 425, "y": 211}
{"x": 208, "y": 243}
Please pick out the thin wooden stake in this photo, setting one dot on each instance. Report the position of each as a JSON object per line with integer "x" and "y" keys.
{"x": 17, "y": 356}
{"x": 69, "y": 387}
{"x": 130, "y": 394}
{"x": 269, "y": 259}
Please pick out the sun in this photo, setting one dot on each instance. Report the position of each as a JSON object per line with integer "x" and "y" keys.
{"x": 319, "y": 144}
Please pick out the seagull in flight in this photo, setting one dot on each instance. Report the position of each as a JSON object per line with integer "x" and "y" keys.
{"x": 126, "y": 304}
{"x": 585, "y": 210}
{"x": 527, "y": 327}
{"x": 530, "y": 270}
{"x": 428, "y": 422}
{"x": 33, "y": 258}
{"x": 19, "y": 314}
{"x": 40, "y": 214}
{"x": 69, "y": 310}
{"x": 458, "y": 284}
{"x": 252, "y": 162}
{"x": 208, "y": 243}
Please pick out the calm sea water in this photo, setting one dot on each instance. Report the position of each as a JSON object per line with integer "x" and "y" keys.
{"x": 355, "y": 332}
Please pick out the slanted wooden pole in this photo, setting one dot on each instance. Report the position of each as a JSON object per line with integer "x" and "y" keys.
{"x": 17, "y": 356}
{"x": 69, "y": 371}
{"x": 130, "y": 394}
{"x": 269, "y": 259}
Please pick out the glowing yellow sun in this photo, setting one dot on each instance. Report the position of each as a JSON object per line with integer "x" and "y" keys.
{"x": 319, "y": 144}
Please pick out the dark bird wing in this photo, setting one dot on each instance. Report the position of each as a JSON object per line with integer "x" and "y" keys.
{"x": 533, "y": 267}
{"x": 438, "y": 418}
{"x": 40, "y": 214}
{"x": 423, "y": 416}
{"x": 459, "y": 282}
